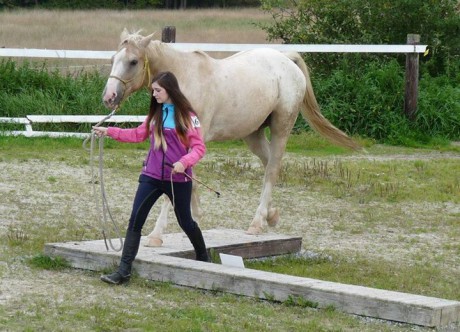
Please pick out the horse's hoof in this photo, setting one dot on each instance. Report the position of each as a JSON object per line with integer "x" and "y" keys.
{"x": 154, "y": 242}
{"x": 273, "y": 217}
{"x": 254, "y": 230}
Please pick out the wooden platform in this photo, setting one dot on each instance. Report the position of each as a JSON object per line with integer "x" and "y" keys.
{"x": 167, "y": 264}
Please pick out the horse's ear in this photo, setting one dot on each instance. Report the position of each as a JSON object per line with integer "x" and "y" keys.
{"x": 146, "y": 40}
{"x": 124, "y": 34}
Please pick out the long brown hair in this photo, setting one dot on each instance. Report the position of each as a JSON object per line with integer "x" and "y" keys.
{"x": 182, "y": 109}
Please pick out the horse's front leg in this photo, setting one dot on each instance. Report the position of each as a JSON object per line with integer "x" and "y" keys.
{"x": 155, "y": 239}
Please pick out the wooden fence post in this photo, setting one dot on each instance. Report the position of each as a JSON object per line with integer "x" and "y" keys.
{"x": 168, "y": 34}
{"x": 411, "y": 89}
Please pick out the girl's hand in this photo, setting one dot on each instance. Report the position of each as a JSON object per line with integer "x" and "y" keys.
{"x": 178, "y": 168}
{"x": 100, "y": 131}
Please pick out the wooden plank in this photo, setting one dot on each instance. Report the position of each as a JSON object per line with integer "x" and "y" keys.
{"x": 157, "y": 264}
{"x": 229, "y": 241}
{"x": 358, "y": 300}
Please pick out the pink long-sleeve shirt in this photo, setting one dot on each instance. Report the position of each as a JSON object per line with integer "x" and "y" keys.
{"x": 155, "y": 164}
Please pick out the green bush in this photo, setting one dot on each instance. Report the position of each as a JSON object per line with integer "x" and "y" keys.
{"x": 368, "y": 22}
{"x": 439, "y": 107}
{"x": 364, "y": 94}
{"x": 367, "y": 100}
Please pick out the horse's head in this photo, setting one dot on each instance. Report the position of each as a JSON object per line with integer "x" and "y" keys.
{"x": 130, "y": 69}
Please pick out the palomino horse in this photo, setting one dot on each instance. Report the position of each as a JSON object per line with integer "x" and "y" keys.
{"x": 235, "y": 98}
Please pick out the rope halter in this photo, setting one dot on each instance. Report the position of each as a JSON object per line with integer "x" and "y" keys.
{"x": 146, "y": 69}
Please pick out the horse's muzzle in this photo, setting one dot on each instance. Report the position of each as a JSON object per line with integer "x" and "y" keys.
{"x": 111, "y": 98}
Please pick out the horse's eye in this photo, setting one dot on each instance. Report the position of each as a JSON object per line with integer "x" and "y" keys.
{"x": 133, "y": 62}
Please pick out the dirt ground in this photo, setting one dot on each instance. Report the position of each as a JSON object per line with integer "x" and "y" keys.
{"x": 35, "y": 193}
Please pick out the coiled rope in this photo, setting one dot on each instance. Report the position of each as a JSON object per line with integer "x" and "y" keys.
{"x": 106, "y": 214}
{"x": 105, "y": 211}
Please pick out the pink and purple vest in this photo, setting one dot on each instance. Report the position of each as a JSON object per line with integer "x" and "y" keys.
{"x": 157, "y": 161}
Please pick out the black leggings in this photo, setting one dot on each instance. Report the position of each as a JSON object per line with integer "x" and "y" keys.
{"x": 147, "y": 194}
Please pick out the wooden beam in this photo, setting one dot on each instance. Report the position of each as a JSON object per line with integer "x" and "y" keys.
{"x": 168, "y": 34}
{"x": 412, "y": 69}
{"x": 157, "y": 264}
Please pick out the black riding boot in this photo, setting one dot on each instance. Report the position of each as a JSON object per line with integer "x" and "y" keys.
{"x": 196, "y": 237}
{"x": 130, "y": 249}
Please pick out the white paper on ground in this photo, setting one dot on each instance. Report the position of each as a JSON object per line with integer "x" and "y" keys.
{"x": 231, "y": 260}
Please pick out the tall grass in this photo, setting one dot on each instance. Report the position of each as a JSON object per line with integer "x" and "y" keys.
{"x": 63, "y": 29}
{"x": 28, "y": 89}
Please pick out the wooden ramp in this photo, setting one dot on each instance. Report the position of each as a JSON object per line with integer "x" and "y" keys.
{"x": 167, "y": 264}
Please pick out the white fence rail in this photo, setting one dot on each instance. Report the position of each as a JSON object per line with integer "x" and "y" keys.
{"x": 101, "y": 55}
{"x": 29, "y": 120}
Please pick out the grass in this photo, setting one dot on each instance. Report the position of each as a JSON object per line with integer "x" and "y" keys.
{"x": 389, "y": 221}
{"x": 376, "y": 214}
{"x": 48, "y": 263}
{"x": 197, "y": 312}
{"x": 416, "y": 278}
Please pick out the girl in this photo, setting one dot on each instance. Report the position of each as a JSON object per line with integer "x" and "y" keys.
{"x": 176, "y": 145}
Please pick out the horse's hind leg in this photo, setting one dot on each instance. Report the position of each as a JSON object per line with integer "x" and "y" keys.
{"x": 195, "y": 203}
{"x": 259, "y": 145}
{"x": 155, "y": 238}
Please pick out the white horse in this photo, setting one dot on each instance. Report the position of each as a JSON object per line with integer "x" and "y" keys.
{"x": 235, "y": 98}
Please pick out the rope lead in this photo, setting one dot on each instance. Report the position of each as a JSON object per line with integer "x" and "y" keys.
{"x": 106, "y": 213}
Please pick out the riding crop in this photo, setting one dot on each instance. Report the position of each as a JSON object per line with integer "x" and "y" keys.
{"x": 195, "y": 179}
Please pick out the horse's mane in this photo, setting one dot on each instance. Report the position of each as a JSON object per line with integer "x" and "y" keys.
{"x": 132, "y": 38}
{"x": 159, "y": 48}
{"x": 155, "y": 47}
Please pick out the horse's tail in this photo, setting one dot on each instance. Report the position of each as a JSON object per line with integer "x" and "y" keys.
{"x": 310, "y": 111}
